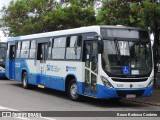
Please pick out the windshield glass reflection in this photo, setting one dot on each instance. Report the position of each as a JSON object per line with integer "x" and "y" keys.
{"x": 126, "y": 57}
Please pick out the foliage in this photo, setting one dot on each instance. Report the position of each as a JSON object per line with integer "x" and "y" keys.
{"x": 148, "y": 16}
{"x": 139, "y": 13}
{"x": 114, "y": 12}
{"x": 82, "y": 3}
{"x": 35, "y": 16}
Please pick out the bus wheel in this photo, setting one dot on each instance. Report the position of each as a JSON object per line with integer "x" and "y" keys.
{"x": 25, "y": 80}
{"x": 72, "y": 91}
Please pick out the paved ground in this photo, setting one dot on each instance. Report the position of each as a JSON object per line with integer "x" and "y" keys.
{"x": 12, "y": 95}
{"x": 14, "y": 98}
{"x": 152, "y": 100}
{"x": 155, "y": 98}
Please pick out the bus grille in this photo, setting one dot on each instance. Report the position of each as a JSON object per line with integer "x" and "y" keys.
{"x": 123, "y": 93}
{"x": 129, "y": 80}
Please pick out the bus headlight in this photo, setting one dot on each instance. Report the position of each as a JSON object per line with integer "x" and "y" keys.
{"x": 151, "y": 82}
{"x": 106, "y": 82}
{"x": 2, "y": 69}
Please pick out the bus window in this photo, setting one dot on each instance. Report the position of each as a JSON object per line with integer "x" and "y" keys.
{"x": 8, "y": 45}
{"x": 58, "y": 50}
{"x": 50, "y": 48}
{"x": 42, "y": 51}
{"x": 12, "y": 52}
{"x": 73, "y": 48}
{"x": 94, "y": 57}
{"x": 32, "y": 53}
{"x": 25, "y": 49}
{"x": 2, "y": 56}
{"x": 18, "y": 49}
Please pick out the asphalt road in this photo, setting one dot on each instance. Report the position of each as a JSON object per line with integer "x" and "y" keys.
{"x": 14, "y": 98}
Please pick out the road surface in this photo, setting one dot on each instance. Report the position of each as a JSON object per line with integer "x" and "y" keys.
{"x": 14, "y": 98}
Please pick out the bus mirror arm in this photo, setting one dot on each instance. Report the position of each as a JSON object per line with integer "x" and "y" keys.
{"x": 100, "y": 43}
{"x": 49, "y": 44}
{"x": 100, "y": 46}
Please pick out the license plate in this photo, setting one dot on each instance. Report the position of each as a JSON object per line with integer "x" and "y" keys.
{"x": 130, "y": 96}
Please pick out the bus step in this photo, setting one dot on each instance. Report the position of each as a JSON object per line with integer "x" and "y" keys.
{"x": 41, "y": 86}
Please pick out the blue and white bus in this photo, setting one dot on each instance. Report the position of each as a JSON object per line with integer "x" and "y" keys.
{"x": 3, "y": 52}
{"x": 95, "y": 61}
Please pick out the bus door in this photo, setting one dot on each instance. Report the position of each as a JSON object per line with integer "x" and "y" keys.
{"x": 12, "y": 55}
{"x": 91, "y": 67}
{"x": 42, "y": 56}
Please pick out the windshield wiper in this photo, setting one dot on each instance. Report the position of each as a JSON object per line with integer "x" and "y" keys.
{"x": 117, "y": 49}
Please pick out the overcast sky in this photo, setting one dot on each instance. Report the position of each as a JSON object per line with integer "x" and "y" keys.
{"x": 4, "y": 2}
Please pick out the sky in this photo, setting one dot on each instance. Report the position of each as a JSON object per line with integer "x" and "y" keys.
{"x": 4, "y": 2}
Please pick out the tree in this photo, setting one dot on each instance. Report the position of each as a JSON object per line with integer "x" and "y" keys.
{"x": 114, "y": 12}
{"x": 138, "y": 13}
{"x": 81, "y": 3}
{"x": 25, "y": 16}
{"x": 148, "y": 16}
{"x": 35, "y": 16}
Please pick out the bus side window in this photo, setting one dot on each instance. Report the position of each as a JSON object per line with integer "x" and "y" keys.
{"x": 39, "y": 53}
{"x": 58, "y": 50}
{"x": 12, "y": 52}
{"x": 50, "y": 48}
{"x": 74, "y": 47}
{"x": 32, "y": 53}
{"x": 18, "y": 49}
{"x": 8, "y": 51}
{"x": 25, "y": 49}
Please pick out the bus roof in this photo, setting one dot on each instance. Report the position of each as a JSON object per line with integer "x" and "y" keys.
{"x": 68, "y": 32}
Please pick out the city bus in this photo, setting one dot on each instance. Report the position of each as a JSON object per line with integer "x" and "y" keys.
{"x": 3, "y": 52}
{"x": 96, "y": 61}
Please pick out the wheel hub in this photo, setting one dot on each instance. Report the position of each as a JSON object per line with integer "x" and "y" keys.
{"x": 73, "y": 90}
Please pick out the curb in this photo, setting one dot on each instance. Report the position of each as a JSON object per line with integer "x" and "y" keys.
{"x": 148, "y": 103}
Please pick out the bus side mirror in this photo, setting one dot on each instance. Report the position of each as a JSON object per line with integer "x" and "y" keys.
{"x": 100, "y": 46}
{"x": 156, "y": 69}
{"x": 49, "y": 44}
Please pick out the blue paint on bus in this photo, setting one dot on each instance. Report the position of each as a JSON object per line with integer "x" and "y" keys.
{"x": 2, "y": 74}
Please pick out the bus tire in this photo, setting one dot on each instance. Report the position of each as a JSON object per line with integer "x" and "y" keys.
{"x": 72, "y": 91}
{"x": 25, "y": 80}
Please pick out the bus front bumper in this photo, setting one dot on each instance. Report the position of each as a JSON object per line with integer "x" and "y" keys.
{"x": 104, "y": 92}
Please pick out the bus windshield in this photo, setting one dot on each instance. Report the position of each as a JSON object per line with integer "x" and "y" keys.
{"x": 122, "y": 57}
{"x": 3, "y": 47}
